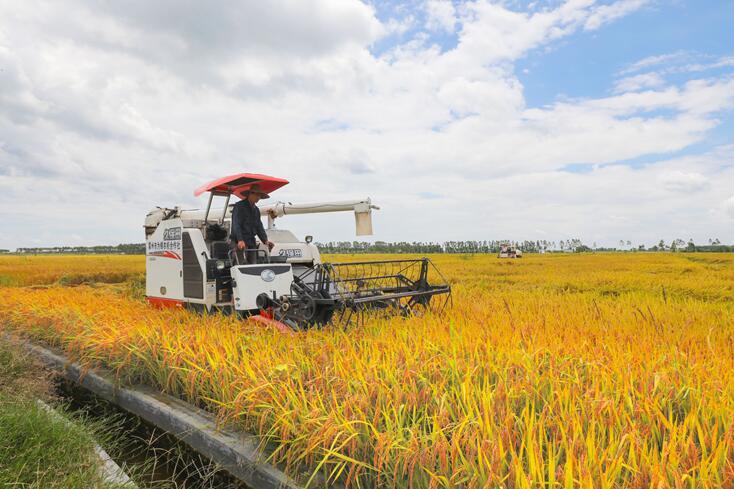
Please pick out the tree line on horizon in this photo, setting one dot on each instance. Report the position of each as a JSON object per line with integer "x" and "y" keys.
{"x": 487, "y": 246}
{"x": 493, "y": 246}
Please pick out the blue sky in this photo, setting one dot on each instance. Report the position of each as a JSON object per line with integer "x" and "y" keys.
{"x": 600, "y": 120}
{"x": 583, "y": 64}
{"x": 586, "y": 64}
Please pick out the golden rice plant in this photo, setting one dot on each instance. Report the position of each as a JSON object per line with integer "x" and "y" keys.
{"x": 69, "y": 269}
{"x": 550, "y": 371}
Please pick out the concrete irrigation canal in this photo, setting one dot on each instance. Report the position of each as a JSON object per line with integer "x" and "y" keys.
{"x": 235, "y": 452}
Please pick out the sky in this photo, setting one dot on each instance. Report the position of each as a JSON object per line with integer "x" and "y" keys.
{"x": 602, "y": 120}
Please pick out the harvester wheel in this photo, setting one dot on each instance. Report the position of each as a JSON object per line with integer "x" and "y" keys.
{"x": 308, "y": 309}
{"x": 324, "y": 314}
{"x": 418, "y": 306}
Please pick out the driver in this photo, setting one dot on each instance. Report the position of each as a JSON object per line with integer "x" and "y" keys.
{"x": 246, "y": 224}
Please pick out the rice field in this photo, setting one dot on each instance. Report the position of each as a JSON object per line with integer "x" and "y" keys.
{"x": 589, "y": 370}
{"x": 69, "y": 270}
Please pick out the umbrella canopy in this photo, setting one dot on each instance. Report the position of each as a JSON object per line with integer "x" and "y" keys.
{"x": 241, "y": 182}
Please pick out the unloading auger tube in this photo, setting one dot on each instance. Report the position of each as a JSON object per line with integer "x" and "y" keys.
{"x": 347, "y": 293}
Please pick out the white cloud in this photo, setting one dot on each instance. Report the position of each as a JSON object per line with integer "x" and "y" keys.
{"x": 638, "y": 82}
{"x": 678, "y": 62}
{"x": 441, "y": 15}
{"x": 680, "y": 181}
{"x": 729, "y": 207}
{"x": 662, "y": 59}
{"x": 400, "y": 26}
{"x": 681, "y": 62}
{"x": 223, "y": 29}
{"x": 607, "y": 13}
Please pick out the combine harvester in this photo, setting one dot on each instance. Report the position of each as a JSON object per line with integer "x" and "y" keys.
{"x": 508, "y": 250}
{"x": 189, "y": 264}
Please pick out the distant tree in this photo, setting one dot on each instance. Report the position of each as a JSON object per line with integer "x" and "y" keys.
{"x": 677, "y": 244}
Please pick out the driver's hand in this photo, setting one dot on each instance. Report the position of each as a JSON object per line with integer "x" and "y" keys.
{"x": 240, "y": 245}
{"x": 271, "y": 245}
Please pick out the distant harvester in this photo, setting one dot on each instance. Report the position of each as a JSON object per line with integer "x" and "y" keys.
{"x": 509, "y": 251}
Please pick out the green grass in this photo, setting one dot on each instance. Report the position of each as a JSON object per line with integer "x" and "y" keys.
{"x": 38, "y": 449}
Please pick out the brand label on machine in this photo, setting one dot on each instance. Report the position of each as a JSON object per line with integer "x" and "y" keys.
{"x": 172, "y": 234}
{"x": 290, "y": 252}
{"x": 169, "y": 247}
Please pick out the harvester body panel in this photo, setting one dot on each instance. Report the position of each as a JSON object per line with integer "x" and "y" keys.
{"x": 249, "y": 281}
{"x": 164, "y": 262}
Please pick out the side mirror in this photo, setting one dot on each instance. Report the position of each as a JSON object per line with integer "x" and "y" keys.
{"x": 309, "y": 238}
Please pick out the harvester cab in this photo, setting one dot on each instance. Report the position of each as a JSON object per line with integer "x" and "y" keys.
{"x": 189, "y": 263}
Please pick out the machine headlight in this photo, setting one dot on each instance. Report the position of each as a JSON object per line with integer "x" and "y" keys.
{"x": 220, "y": 265}
{"x": 267, "y": 275}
